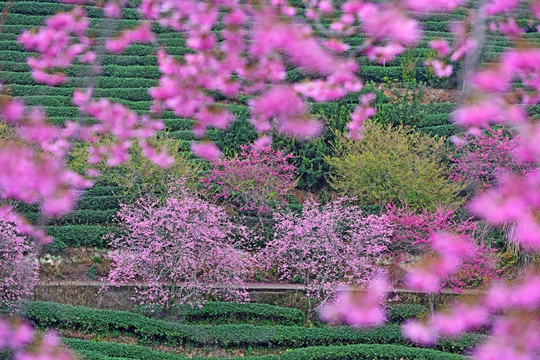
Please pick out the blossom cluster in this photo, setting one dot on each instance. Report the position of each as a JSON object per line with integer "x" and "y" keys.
{"x": 21, "y": 339}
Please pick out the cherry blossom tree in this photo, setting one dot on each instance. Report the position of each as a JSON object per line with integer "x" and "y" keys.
{"x": 327, "y": 246}
{"x": 181, "y": 252}
{"x": 18, "y": 266}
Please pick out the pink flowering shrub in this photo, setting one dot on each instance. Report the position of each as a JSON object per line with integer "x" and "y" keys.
{"x": 182, "y": 251}
{"x": 413, "y": 231}
{"x": 251, "y": 180}
{"x": 479, "y": 268}
{"x": 480, "y": 160}
{"x": 327, "y": 246}
{"x": 18, "y": 266}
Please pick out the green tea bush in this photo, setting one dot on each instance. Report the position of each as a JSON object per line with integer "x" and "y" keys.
{"x": 367, "y": 352}
{"x": 79, "y": 235}
{"x": 92, "y": 350}
{"x": 225, "y": 312}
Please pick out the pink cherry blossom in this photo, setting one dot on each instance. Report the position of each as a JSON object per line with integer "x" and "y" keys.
{"x": 440, "y": 68}
{"x": 441, "y": 46}
{"x": 205, "y": 150}
{"x": 361, "y": 309}
{"x": 140, "y": 34}
{"x": 11, "y": 110}
{"x": 419, "y": 333}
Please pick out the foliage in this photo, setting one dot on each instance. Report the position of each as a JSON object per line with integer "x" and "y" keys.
{"x": 405, "y": 107}
{"x": 79, "y": 217}
{"x": 251, "y": 180}
{"x": 309, "y": 155}
{"x": 393, "y": 164}
{"x": 327, "y": 246}
{"x": 148, "y": 330}
{"x": 182, "y": 251}
{"x": 415, "y": 232}
{"x": 18, "y": 266}
{"x": 138, "y": 176}
{"x": 479, "y": 160}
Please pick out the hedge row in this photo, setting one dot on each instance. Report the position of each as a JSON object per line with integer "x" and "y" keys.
{"x": 48, "y": 9}
{"x": 78, "y": 236}
{"x": 148, "y": 330}
{"x": 367, "y": 352}
{"x": 225, "y": 312}
{"x": 103, "y": 202}
{"x": 79, "y": 217}
{"x": 52, "y": 101}
{"x": 441, "y": 130}
{"x": 92, "y": 350}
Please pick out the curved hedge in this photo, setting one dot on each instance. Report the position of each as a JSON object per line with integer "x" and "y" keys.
{"x": 224, "y": 312}
{"x": 92, "y": 350}
{"x": 367, "y": 352}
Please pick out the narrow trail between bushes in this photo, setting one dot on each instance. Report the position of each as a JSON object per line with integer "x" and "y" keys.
{"x": 262, "y": 287}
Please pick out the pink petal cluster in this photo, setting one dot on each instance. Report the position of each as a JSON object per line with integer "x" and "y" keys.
{"x": 360, "y": 114}
{"x": 289, "y": 111}
{"x": 440, "y": 69}
{"x": 19, "y": 266}
{"x": 360, "y": 309}
{"x": 113, "y": 8}
{"x": 429, "y": 5}
{"x": 206, "y": 150}
{"x": 450, "y": 250}
{"x": 35, "y": 177}
{"x": 120, "y": 122}
{"x": 25, "y": 344}
{"x": 140, "y": 34}
{"x": 58, "y": 44}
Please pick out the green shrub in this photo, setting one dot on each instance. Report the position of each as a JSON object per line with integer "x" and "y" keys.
{"x": 393, "y": 164}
